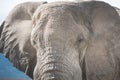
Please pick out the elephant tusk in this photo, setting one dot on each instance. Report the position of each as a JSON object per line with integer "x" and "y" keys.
{"x": 26, "y": 69}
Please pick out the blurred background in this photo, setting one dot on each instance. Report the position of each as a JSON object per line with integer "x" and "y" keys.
{"x": 7, "y": 5}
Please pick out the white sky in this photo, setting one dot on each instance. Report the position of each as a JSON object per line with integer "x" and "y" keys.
{"x": 7, "y": 5}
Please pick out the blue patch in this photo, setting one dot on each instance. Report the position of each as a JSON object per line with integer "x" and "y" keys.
{"x": 8, "y": 72}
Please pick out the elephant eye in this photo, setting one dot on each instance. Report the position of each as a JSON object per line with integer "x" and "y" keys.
{"x": 34, "y": 42}
{"x": 80, "y": 40}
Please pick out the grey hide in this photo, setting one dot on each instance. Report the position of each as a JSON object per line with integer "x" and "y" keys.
{"x": 64, "y": 41}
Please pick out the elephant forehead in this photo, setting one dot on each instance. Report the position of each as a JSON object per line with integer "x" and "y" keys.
{"x": 58, "y": 28}
{"x": 50, "y": 8}
{"x": 61, "y": 19}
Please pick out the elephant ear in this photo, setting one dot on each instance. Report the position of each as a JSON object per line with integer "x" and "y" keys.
{"x": 15, "y": 37}
{"x": 104, "y": 42}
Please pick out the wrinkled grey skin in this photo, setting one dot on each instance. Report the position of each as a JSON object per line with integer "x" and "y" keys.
{"x": 15, "y": 37}
{"x": 71, "y": 41}
{"x": 76, "y": 41}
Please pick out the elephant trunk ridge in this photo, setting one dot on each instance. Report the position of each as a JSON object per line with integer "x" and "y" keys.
{"x": 54, "y": 66}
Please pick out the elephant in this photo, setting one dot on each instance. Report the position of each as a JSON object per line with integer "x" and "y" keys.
{"x": 67, "y": 41}
{"x": 15, "y": 36}
{"x": 76, "y": 41}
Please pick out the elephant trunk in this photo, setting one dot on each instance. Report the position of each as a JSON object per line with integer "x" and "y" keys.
{"x": 53, "y": 66}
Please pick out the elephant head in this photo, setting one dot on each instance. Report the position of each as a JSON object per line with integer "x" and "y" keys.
{"x": 72, "y": 41}
{"x": 56, "y": 38}
{"x": 15, "y": 36}
{"x": 64, "y": 40}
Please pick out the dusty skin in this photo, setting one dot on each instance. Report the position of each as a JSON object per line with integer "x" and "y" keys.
{"x": 64, "y": 41}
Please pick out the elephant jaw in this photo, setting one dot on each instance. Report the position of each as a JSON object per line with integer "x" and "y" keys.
{"x": 53, "y": 66}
